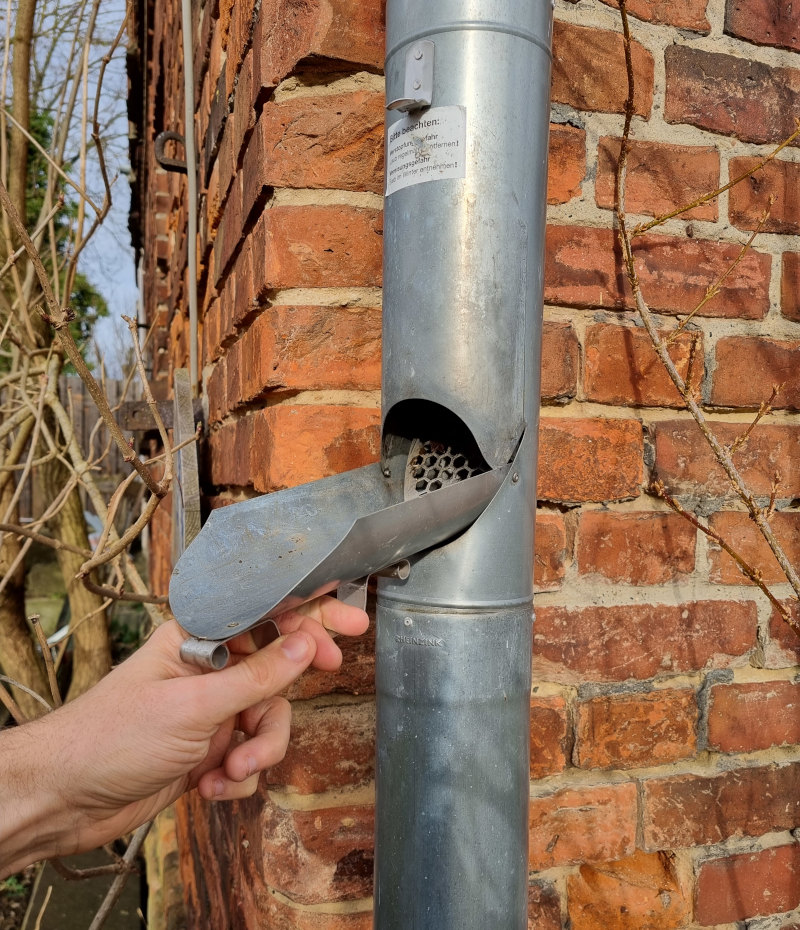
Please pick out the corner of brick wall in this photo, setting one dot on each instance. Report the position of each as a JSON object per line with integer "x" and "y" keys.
{"x": 665, "y": 745}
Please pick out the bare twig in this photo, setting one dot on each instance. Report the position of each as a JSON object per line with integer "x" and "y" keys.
{"x": 763, "y": 410}
{"x": 26, "y": 689}
{"x": 759, "y": 515}
{"x": 12, "y": 707}
{"x": 55, "y": 693}
{"x": 659, "y": 220}
{"x": 119, "y": 882}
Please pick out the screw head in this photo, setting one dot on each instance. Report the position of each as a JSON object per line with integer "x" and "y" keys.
{"x": 417, "y": 85}
{"x": 515, "y": 478}
{"x": 408, "y": 622}
{"x": 418, "y": 53}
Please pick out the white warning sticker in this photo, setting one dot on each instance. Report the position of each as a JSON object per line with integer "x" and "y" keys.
{"x": 426, "y": 146}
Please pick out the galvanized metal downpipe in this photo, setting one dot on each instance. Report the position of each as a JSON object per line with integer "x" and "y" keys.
{"x": 468, "y": 85}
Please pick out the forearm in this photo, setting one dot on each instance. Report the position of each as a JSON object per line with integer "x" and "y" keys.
{"x": 35, "y": 818}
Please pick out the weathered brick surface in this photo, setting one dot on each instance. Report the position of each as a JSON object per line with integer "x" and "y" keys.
{"x": 772, "y": 192}
{"x": 660, "y": 177}
{"x": 567, "y": 163}
{"x": 550, "y": 550}
{"x": 582, "y": 825}
{"x": 790, "y": 286}
{"x": 739, "y": 531}
{"x": 640, "y": 641}
{"x": 331, "y": 748}
{"x": 341, "y": 30}
{"x": 631, "y": 730}
{"x": 765, "y": 22}
{"x": 753, "y": 715}
{"x": 319, "y": 855}
{"x": 635, "y": 548}
{"x": 729, "y": 95}
{"x": 550, "y": 736}
{"x": 295, "y": 444}
{"x": 686, "y": 465}
{"x": 589, "y": 460}
{"x": 690, "y": 810}
{"x": 583, "y": 268}
{"x": 587, "y": 64}
{"x": 299, "y": 348}
{"x": 685, "y": 14}
{"x": 544, "y": 907}
{"x": 621, "y": 366}
{"x": 641, "y": 891}
{"x": 317, "y": 246}
{"x": 749, "y": 367}
{"x": 749, "y": 885}
{"x": 333, "y": 141}
{"x": 784, "y": 642}
{"x": 560, "y": 361}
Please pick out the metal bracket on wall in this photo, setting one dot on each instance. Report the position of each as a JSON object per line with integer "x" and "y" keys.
{"x": 418, "y": 80}
{"x": 166, "y": 162}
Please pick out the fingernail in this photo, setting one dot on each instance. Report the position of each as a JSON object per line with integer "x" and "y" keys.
{"x": 295, "y": 647}
{"x": 251, "y": 766}
{"x": 219, "y": 787}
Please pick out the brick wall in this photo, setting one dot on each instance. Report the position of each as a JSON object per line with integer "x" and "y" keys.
{"x": 664, "y": 726}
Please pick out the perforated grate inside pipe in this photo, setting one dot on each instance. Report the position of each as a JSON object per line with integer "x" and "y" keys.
{"x": 433, "y": 465}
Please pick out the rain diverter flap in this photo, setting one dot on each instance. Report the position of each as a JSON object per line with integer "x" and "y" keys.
{"x": 255, "y": 559}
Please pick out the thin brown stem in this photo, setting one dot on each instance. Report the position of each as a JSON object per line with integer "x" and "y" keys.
{"x": 52, "y": 680}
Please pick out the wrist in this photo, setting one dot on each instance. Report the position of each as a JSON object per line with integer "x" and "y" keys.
{"x": 36, "y": 821}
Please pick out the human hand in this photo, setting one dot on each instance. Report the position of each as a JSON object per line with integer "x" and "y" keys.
{"x": 156, "y": 727}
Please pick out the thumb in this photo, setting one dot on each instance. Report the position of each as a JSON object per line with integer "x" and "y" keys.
{"x": 254, "y": 678}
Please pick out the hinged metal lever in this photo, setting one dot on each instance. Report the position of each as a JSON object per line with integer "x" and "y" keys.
{"x": 214, "y": 655}
{"x": 418, "y": 80}
{"x": 354, "y": 593}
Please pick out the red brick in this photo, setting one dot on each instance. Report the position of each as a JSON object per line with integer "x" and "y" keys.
{"x": 640, "y": 640}
{"x": 230, "y": 454}
{"x": 341, "y": 30}
{"x": 329, "y": 141}
{"x": 749, "y": 199}
{"x": 621, "y": 366}
{"x": 753, "y": 715}
{"x": 318, "y": 246}
{"x": 730, "y": 95}
{"x": 748, "y": 885}
{"x": 631, "y": 730}
{"x": 331, "y": 748}
{"x": 747, "y": 369}
{"x": 356, "y": 675}
{"x": 691, "y": 810}
{"x": 550, "y": 551}
{"x": 544, "y": 906}
{"x": 660, "y": 177}
{"x": 560, "y": 361}
{"x": 583, "y": 269}
{"x": 684, "y": 14}
{"x": 318, "y": 856}
{"x": 566, "y": 164}
{"x": 783, "y": 648}
{"x": 311, "y": 348}
{"x": 589, "y": 460}
{"x": 686, "y": 465}
{"x": 589, "y": 69}
{"x": 743, "y": 536}
{"x": 550, "y": 736}
{"x": 790, "y": 286}
{"x": 765, "y": 22}
{"x": 582, "y": 825}
{"x": 642, "y": 891}
{"x": 295, "y": 444}
{"x": 635, "y": 548}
